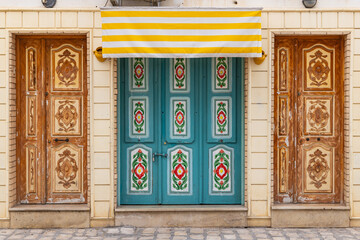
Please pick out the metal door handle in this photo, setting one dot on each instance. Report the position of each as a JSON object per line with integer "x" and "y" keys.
{"x": 61, "y": 140}
{"x": 158, "y": 155}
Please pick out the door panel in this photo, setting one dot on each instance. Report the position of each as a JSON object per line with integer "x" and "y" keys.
{"x": 318, "y": 123}
{"x": 30, "y": 151}
{"x": 139, "y": 82}
{"x": 53, "y": 166}
{"x": 181, "y": 167}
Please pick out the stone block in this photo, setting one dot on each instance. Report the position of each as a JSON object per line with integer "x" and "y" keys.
{"x": 258, "y": 192}
{"x": 292, "y": 20}
{"x": 13, "y": 19}
{"x": 3, "y": 112}
{"x": 102, "y": 193}
{"x": 356, "y": 46}
{"x": 259, "y": 111}
{"x": 101, "y": 95}
{"x": 3, "y": 131}
{"x": 308, "y": 20}
{"x": 30, "y": 20}
{"x": 329, "y": 20}
{"x": 2, "y": 150}
{"x": 356, "y": 192}
{"x": 3, "y": 212}
{"x": 356, "y": 63}
{"x": 260, "y": 79}
{"x": 321, "y": 216}
{"x": 3, "y": 178}
{"x": 102, "y": 209}
{"x": 2, "y": 160}
{"x": 259, "y": 128}
{"x": 49, "y": 219}
{"x": 97, "y": 20}
{"x": 259, "y": 95}
{"x": 276, "y": 20}
{"x": 258, "y": 176}
{"x": 346, "y": 20}
{"x": 46, "y": 19}
{"x": 102, "y": 176}
{"x": 69, "y": 19}
{"x": 85, "y": 19}
{"x": 187, "y": 216}
{"x": 2, "y": 19}
{"x": 102, "y": 78}
{"x": 264, "y": 20}
{"x": 357, "y": 20}
{"x": 102, "y": 127}
{"x": 101, "y": 144}
{"x": 100, "y": 65}
{"x": 101, "y": 111}
{"x": 258, "y": 160}
{"x": 258, "y": 208}
{"x": 2, "y": 63}
{"x": 2, "y": 46}
{"x": 101, "y": 160}
{"x": 259, "y": 144}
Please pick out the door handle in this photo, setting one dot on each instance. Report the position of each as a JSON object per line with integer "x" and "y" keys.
{"x": 158, "y": 155}
{"x": 61, "y": 140}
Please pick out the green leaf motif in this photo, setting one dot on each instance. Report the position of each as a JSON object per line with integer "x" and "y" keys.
{"x": 179, "y": 120}
{"x": 179, "y": 69}
{"x": 139, "y": 117}
{"x": 221, "y": 72}
{"x": 179, "y": 171}
{"x": 139, "y": 72}
{"x": 139, "y": 170}
{"x": 221, "y": 170}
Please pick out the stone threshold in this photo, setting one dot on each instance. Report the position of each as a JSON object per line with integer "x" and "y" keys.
{"x": 310, "y": 215}
{"x": 181, "y": 215}
{"x": 50, "y": 208}
{"x": 180, "y": 208}
{"x": 50, "y": 216}
{"x": 310, "y": 207}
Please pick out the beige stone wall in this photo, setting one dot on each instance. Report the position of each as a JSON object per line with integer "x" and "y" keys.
{"x": 259, "y": 101}
{"x": 101, "y": 164}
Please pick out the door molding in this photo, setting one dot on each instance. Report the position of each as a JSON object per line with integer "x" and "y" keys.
{"x": 13, "y": 94}
{"x": 347, "y": 46}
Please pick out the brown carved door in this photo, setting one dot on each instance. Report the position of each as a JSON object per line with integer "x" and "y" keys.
{"x": 51, "y": 119}
{"x": 309, "y": 123}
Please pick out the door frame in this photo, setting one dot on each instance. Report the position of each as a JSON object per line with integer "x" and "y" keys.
{"x": 15, "y": 92}
{"x": 243, "y": 88}
{"x": 347, "y": 36}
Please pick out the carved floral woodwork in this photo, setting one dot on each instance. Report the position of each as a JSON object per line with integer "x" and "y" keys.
{"x": 318, "y": 116}
{"x": 319, "y": 66}
{"x": 67, "y": 116}
{"x": 318, "y": 169}
{"x": 31, "y": 168}
{"x": 31, "y": 115}
{"x": 283, "y": 161}
{"x": 283, "y": 115}
{"x": 67, "y": 70}
{"x": 283, "y": 66}
{"x": 67, "y": 160}
{"x": 31, "y": 68}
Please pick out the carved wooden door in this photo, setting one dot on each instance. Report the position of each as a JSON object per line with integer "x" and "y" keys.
{"x": 309, "y": 105}
{"x": 52, "y": 124}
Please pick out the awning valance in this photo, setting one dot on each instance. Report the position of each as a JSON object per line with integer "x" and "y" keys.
{"x": 181, "y": 32}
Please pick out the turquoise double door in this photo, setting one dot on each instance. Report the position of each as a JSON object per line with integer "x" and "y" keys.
{"x": 180, "y": 131}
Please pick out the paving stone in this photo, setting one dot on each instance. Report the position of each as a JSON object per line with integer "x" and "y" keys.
{"x": 127, "y": 230}
{"x": 112, "y": 230}
{"x": 213, "y": 238}
{"x": 180, "y": 233}
{"x": 196, "y": 230}
{"x": 193, "y": 236}
{"x": 230, "y": 236}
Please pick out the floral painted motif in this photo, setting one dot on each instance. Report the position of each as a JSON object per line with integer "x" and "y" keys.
{"x": 221, "y": 73}
{"x": 221, "y": 117}
{"x": 318, "y": 168}
{"x": 139, "y": 73}
{"x": 180, "y": 121}
{"x": 179, "y": 171}
{"x": 139, "y": 170}
{"x": 139, "y": 117}
{"x": 179, "y": 73}
{"x": 221, "y": 167}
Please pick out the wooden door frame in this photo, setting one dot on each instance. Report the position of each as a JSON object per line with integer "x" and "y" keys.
{"x": 345, "y": 191}
{"x": 14, "y": 37}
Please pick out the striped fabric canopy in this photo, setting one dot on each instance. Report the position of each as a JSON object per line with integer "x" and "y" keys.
{"x": 181, "y": 32}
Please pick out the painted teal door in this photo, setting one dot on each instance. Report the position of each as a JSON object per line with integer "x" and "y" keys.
{"x": 181, "y": 129}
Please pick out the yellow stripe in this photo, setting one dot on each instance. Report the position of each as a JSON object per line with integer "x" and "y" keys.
{"x": 170, "y": 38}
{"x": 199, "y": 50}
{"x": 176, "y": 14}
{"x": 195, "y": 26}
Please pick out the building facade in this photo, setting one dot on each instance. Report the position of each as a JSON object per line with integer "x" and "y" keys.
{"x": 291, "y": 151}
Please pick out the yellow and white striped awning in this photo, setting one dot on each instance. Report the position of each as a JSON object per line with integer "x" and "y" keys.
{"x": 181, "y": 32}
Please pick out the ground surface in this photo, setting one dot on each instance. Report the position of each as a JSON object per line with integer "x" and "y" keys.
{"x": 181, "y": 233}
